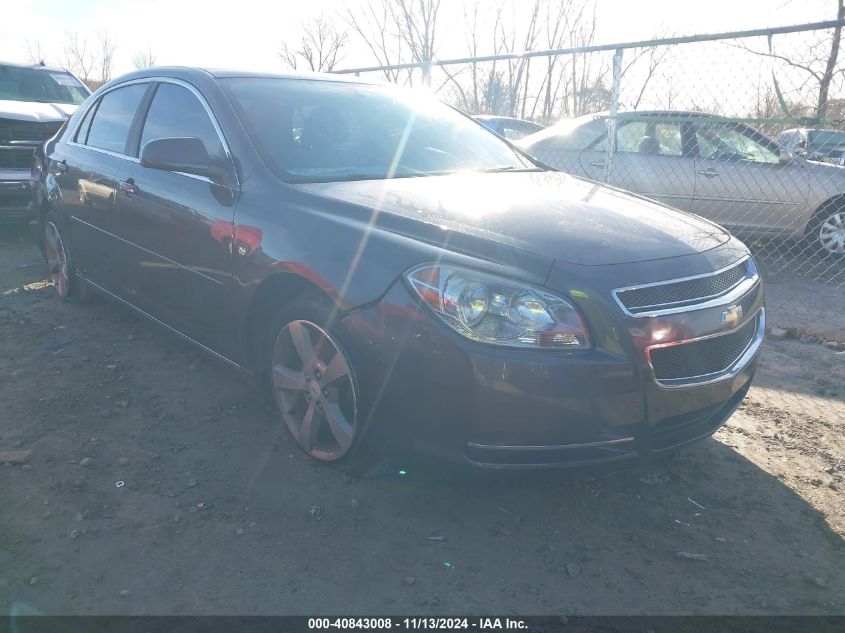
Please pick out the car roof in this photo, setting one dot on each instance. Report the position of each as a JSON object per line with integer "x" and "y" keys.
{"x": 54, "y": 69}
{"x": 189, "y": 73}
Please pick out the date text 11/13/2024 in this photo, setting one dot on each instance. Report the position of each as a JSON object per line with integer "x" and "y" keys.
{"x": 421, "y": 623}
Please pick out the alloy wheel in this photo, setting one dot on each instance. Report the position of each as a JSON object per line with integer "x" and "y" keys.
{"x": 832, "y": 233}
{"x": 314, "y": 390}
{"x": 57, "y": 260}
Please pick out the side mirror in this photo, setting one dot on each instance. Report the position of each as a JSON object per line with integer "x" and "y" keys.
{"x": 785, "y": 156}
{"x": 184, "y": 154}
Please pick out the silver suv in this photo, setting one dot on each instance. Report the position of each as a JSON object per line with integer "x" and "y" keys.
{"x": 718, "y": 168}
{"x": 34, "y": 103}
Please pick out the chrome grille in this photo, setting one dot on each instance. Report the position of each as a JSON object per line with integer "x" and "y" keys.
{"x": 704, "y": 357}
{"x": 34, "y": 131}
{"x": 16, "y": 158}
{"x": 673, "y": 294}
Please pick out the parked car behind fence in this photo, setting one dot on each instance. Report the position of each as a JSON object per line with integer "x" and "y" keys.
{"x": 718, "y": 168}
{"x": 509, "y": 127}
{"x": 813, "y": 144}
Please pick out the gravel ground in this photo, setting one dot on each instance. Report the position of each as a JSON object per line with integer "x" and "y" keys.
{"x": 159, "y": 483}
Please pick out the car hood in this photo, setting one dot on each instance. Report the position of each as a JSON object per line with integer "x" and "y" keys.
{"x": 35, "y": 111}
{"x": 548, "y": 213}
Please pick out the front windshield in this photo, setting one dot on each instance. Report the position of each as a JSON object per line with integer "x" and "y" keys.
{"x": 41, "y": 85}
{"x": 321, "y": 131}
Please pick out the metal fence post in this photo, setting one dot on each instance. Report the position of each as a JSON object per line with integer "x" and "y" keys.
{"x": 614, "y": 106}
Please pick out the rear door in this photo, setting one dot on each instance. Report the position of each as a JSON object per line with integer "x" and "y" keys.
{"x": 649, "y": 159}
{"x": 180, "y": 225}
{"x": 740, "y": 182}
{"x": 85, "y": 170}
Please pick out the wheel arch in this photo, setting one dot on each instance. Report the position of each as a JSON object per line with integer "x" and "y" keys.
{"x": 833, "y": 202}
{"x": 275, "y": 290}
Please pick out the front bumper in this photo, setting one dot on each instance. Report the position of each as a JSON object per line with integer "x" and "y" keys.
{"x": 442, "y": 395}
{"x": 15, "y": 195}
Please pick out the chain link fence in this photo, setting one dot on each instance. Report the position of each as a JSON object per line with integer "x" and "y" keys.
{"x": 746, "y": 129}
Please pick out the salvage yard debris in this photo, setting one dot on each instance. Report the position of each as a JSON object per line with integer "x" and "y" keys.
{"x": 14, "y": 457}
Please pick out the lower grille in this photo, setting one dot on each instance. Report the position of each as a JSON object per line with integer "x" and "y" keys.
{"x": 16, "y": 158}
{"x": 688, "y": 361}
{"x": 33, "y": 131}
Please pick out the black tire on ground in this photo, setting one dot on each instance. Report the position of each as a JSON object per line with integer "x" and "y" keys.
{"x": 60, "y": 266}
{"x": 313, "y": 314}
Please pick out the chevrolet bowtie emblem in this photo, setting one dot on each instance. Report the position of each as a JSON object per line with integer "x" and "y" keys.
{"x": 732, "y": 316}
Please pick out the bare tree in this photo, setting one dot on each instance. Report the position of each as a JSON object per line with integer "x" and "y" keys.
{"x": 558, "y": 22}
{"x": 818, "y": 61}
{"x": 517, "y": 69}
{"x": 375, "y": 26}
{"x": 144, "y": 59}
{"x": 830, "y": 66}
{"x": 85, "y": 60}
{"x": 416, "y": 23}
{"x": 320, "y": 47}
{"x": 468, "y": 97}
{"x": 105, "y": 58}
{"x": 486, "y": 92}
{"x": 586, "y": 88}
{"x": 655, "y": 56}
{"x": 78, "y": 58}
{"x": 503, "y": 87}
{"x": 397, "y": 31}
{"x": 34, "y": 51}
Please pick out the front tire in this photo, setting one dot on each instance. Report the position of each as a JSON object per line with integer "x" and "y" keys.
{"x": 66, "y": 283}
{"x": 314, "y": 385}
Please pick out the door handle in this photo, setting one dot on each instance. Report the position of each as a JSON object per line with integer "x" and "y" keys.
{"x": 598, "y": 163}
{"x": 61, "y": 167}
{"x": 128, "y": 186}
{"x": 708, "y": 173}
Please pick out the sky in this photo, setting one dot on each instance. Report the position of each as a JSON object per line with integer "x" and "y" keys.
{"x": 248, "y": 33}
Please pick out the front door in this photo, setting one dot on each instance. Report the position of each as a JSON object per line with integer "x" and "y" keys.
{"x": 180, "y": 227}
{"x": 741, "y": 183}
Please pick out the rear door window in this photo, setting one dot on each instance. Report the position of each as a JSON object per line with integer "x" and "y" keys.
{"x": 646, "y": 137}
{"x": 82, "y": 132}
{"x": 113, "y": 119}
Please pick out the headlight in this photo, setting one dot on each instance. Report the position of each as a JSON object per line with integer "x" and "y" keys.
{"x": 499, "y": 311}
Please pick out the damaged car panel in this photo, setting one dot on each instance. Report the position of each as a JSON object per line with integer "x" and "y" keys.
{"x": 35, "y": 101}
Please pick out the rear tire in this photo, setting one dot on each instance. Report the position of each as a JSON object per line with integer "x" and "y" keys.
{"x": 67, "y": 285}
{"x": 308, "y": 369}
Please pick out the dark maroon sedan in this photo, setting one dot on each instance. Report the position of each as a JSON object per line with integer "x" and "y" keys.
{"x": 399, "y": 276}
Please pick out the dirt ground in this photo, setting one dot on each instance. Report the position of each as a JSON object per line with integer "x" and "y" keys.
{"x": 218, "y": 513}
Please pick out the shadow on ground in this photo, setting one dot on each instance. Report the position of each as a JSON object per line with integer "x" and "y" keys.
{"x": 219, "y": 513}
